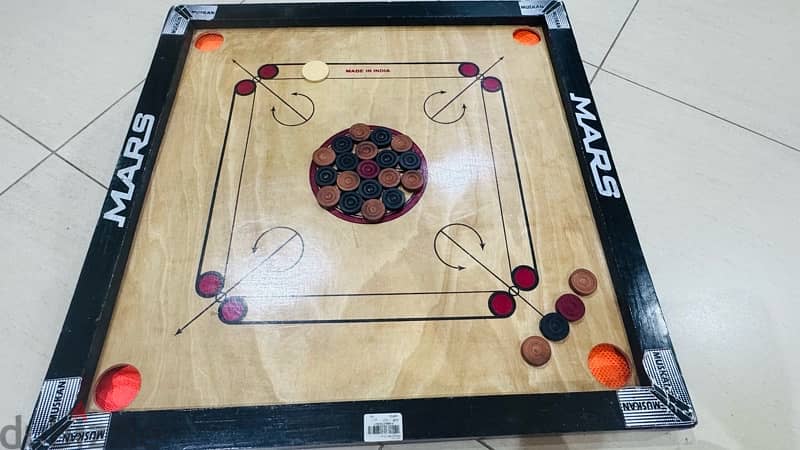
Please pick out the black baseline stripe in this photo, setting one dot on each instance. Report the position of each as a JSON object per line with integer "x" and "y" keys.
{"x": 369, "y": 294}
{"x": 216, "y": 185}
{"x": 384, "y": 63}
{"x": 376, "y": 320}
{"x": 519, "y": 176}
{"x": 394, "y": 78}
{"x": 372, "y": 78}
{"x": 239, "y": 186}
{"x": 496, "y": 181}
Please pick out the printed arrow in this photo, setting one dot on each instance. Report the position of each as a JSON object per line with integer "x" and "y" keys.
{"x": 442, "y": 232}
{"x": 459, "y": 224}
{"x": 261, "y": 83}
{"x": 433, "y": 118}
{"x": 313, "y": 110}
{"x": 436, "y": 252}
{"x": 474, "y": 258}
{"x": 294, "y": 235}
{"x": 461, "y": 92}
{"x": 224, "y": 294}
{"x": 261, "y": 236}
{"x": 185, "y": 326}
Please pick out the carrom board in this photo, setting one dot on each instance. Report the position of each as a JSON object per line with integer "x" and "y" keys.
{"x": 372, "y": 222}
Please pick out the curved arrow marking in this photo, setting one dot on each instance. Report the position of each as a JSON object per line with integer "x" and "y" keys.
{"x": 261, "y": 83}
{"x": 460, "y": 93}
{"x": 294, "y": 235}
{"x": 433, "y": 117}
{"x": 459, "y": 224}
{"x": 442, "y": 232}
{"x": 305, "y": 119}
{"x": 224, "y": 294}
{"x": 436, "y": 251}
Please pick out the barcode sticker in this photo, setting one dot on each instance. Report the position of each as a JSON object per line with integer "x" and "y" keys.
{"x": 383, "y": 427}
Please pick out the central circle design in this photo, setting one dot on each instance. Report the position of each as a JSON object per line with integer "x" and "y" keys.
{"x": 368, "y": 174}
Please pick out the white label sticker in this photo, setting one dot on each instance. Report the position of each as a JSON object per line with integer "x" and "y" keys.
{"x": 664, "y": 403}
{"x": 383, "y": 427}
{"x": 553, "y": 10}
{"x": 88, "y": 432}
{"x": 180, "y": 15}
{"x": 532, "y": 7}
{"x": 56, "y": 400}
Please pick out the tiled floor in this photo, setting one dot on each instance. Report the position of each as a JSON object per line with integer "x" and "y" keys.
{"x": 698, "y": 103}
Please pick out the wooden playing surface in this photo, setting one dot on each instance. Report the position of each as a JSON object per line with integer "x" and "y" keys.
{"x": 301, "y": 263}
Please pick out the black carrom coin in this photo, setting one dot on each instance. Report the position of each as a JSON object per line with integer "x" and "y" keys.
{"x": 342, "y": 144}
{"x": 393, "y": 198}
{"x": 350, "y": 202}
{"x": 370, "y": 189}
{"x": 410, "y": 161}
{"x": 346, "y": 161}
{"x": 554, "y": 327}
{"x": 381, "y": 137}
{"x": 386, "y": 159}
{"x": 325, "y": 176}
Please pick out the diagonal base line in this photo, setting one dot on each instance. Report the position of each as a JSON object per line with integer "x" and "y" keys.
{"x": 258, "y": 266}
{"x": 508, "y": 286}
{"x": 373, "y": 320}
{"x": 460, "y": 93}
{"x": 261, "y": 83}
{"x": 224, "y": 294}
{"x": 191, "y": 321}
{"x": 369, "y": 294}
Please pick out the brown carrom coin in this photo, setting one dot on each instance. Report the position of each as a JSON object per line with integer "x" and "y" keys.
{"x": 583, "y": 282}
{"x": 373, "y": 210}
{"x": 328, "y": 196}
{"x": 413, "y": 180}
{"x": 360, "y": 131}
{"x": 536, "y": 351}
{"x": 366, "y": 150}
{"x": 389, "y": 178}
{"x": 348, "y": 181}
{"x": 402, "y": 143}
{"x": 323, "y": 156}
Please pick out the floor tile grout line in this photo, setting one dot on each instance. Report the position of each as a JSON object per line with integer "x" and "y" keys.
{"x": 52, "y": 152}
{"x": 696, "y": 108}
{"x": 614, "y": 42}
{"x": 593, "y": 67}
{"x": 480, "y": 441}
{"x": 21, "y": 130}
{"x": 14, "y": 183}
{"x": 102, "y": 113}
{"x": 594, "y": 75}
{"x": 105, "y": 188}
